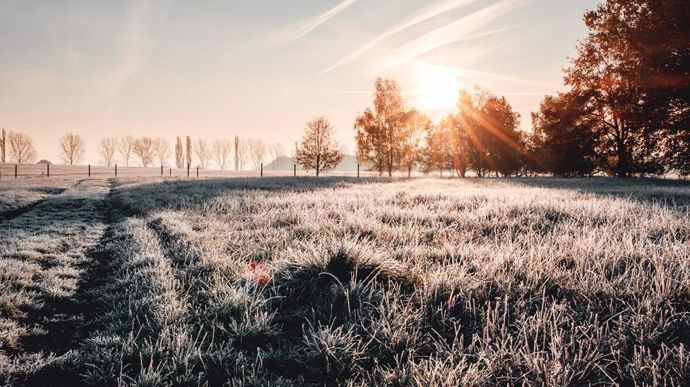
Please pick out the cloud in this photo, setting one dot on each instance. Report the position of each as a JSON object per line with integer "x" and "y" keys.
{"x": 433, "y": 10}
{"x": 312, "y": 23}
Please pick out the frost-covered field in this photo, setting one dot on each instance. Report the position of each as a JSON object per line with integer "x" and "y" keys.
{"x": 337, "y": 281}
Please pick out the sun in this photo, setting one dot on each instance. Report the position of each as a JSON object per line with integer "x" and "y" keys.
{"x": 437, "y": 88}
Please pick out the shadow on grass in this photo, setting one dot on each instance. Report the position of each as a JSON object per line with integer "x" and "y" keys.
{"x": 671, "y": 193}
{"x": 140, "y": 199}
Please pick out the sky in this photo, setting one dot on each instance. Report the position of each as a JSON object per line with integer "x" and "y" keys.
{"x": 262, "y": 68}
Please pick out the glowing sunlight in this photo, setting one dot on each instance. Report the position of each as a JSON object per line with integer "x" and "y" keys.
{"x": 437, "y": 88}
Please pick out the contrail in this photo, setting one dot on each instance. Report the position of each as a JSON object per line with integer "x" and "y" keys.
{"x": 452, "y": 32}
{"x": 307, "y": 26}
{"x": 423, "y": 15}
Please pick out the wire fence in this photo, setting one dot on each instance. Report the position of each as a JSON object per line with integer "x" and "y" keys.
{"x": 17, "y": 171}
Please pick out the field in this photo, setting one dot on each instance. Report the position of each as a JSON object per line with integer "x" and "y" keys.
{"x": 344, "y": 281}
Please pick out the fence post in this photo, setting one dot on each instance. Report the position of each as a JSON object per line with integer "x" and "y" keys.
{"x": 15, "y": 171}
{"x": 115, "y": 170}
{"x": 294, "y": 170}
{"x": 262, "y": 170}
{"x": 89, "y": 170}
{"x": 358, "y": 171}
{"x": 161, "y": 171}
{"x": 170, "y": 171}
{"x": 197, "y": 171}
{"x": 187, "y": 169}
{"x": 48, "y": 169}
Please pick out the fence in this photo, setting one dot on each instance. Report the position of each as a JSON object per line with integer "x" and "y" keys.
{"x": 15, "y": 171}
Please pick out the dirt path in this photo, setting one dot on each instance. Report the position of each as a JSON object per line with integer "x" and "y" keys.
{"x": 47, "y": 266}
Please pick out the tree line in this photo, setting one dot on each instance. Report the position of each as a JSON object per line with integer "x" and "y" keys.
{"x": 318, "y": 151}
{"x": 481, "y": 136}
{"x": 626, "y": 111}
{"x": 239, "y": 153}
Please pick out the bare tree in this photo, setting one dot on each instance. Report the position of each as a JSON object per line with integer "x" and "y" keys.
{"x": 144, "y": 148}
{"x": 276, "y": 150}
{"x": 3, "y": 146}
{"x": 179, "y": 154}
{"x": 107, "y": 149}
{"x": 189, "y": 151}
{"x": 72, "y": 148}
{"x": 237, "y": 152}
{"x": 21, "y": 148}
{"x": 125, "y": 148}
{"x": 203, "y": 152}
{"x": 318, "y": 150}
{"x": 257, "y": 151}
{"x": 162, "y": 150}
{"x": 221, "y": 151}
{"x": 241, "y": 153}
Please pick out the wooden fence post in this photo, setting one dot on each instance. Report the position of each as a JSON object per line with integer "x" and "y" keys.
{"x": 15, "y": 171}
{"x": 358, "y": 171}
{"x": 161, "y": 171}
{"x": 48, "y": 169}
{"x": 170, "y": 171}
{"x": 187, "y": 169}
{"x": 262, "y": 170}
{"x": 197, "y": 171}
{"x": 89, "y": 170}
{"x": 294, "y": 170}
{"x": 115, "y": 170}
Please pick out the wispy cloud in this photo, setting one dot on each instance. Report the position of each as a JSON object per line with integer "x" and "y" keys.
{"x": 134, "y": 43}
{"x": 306, "y": 26}
{"x": 450, "y": 33}
{"x": 429, "y": 12}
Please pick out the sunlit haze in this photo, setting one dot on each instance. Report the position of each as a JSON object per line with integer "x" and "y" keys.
{"x": 263, "y": 68}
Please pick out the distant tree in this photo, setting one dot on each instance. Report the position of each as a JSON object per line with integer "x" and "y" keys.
{"x": 415, "y": 126}
{"x": 485, "y": 135}
{"x": 237, "y": 152}
{"x": 162, "y": 150}
{"x": 564, "y": 140}
{"x": 72, "y": 148}
{"x": 500, "y": 123}
{"x": 378, "y": 130}
{"x": 144, "y": 148}
{"x": 257, "y": 151}
{"x": 22, "y": 149}
{"x": 276, "y": 150}
{"x": 242, "y": 150}
{"x": 189, "y": 151}
{"x": 125, "y": 148}
{"x": 222, "y": 147}
{"x": 437, "y": 154}
{"x": 470, "y": 137}
{"x": 318, "y": 150}
{"x": 179, "y": 154}
{"x": 203, "y": 152}
{"x": 106, "y": 150}
{"x": 3, "y": 147}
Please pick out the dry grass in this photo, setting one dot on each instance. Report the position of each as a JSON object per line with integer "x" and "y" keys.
{"x": 364, "y": 282}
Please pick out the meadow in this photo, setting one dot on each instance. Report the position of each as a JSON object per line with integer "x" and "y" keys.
{"x": 344, "y": 281}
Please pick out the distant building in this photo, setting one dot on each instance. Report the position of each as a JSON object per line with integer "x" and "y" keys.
{"x": 282, "y": 164}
